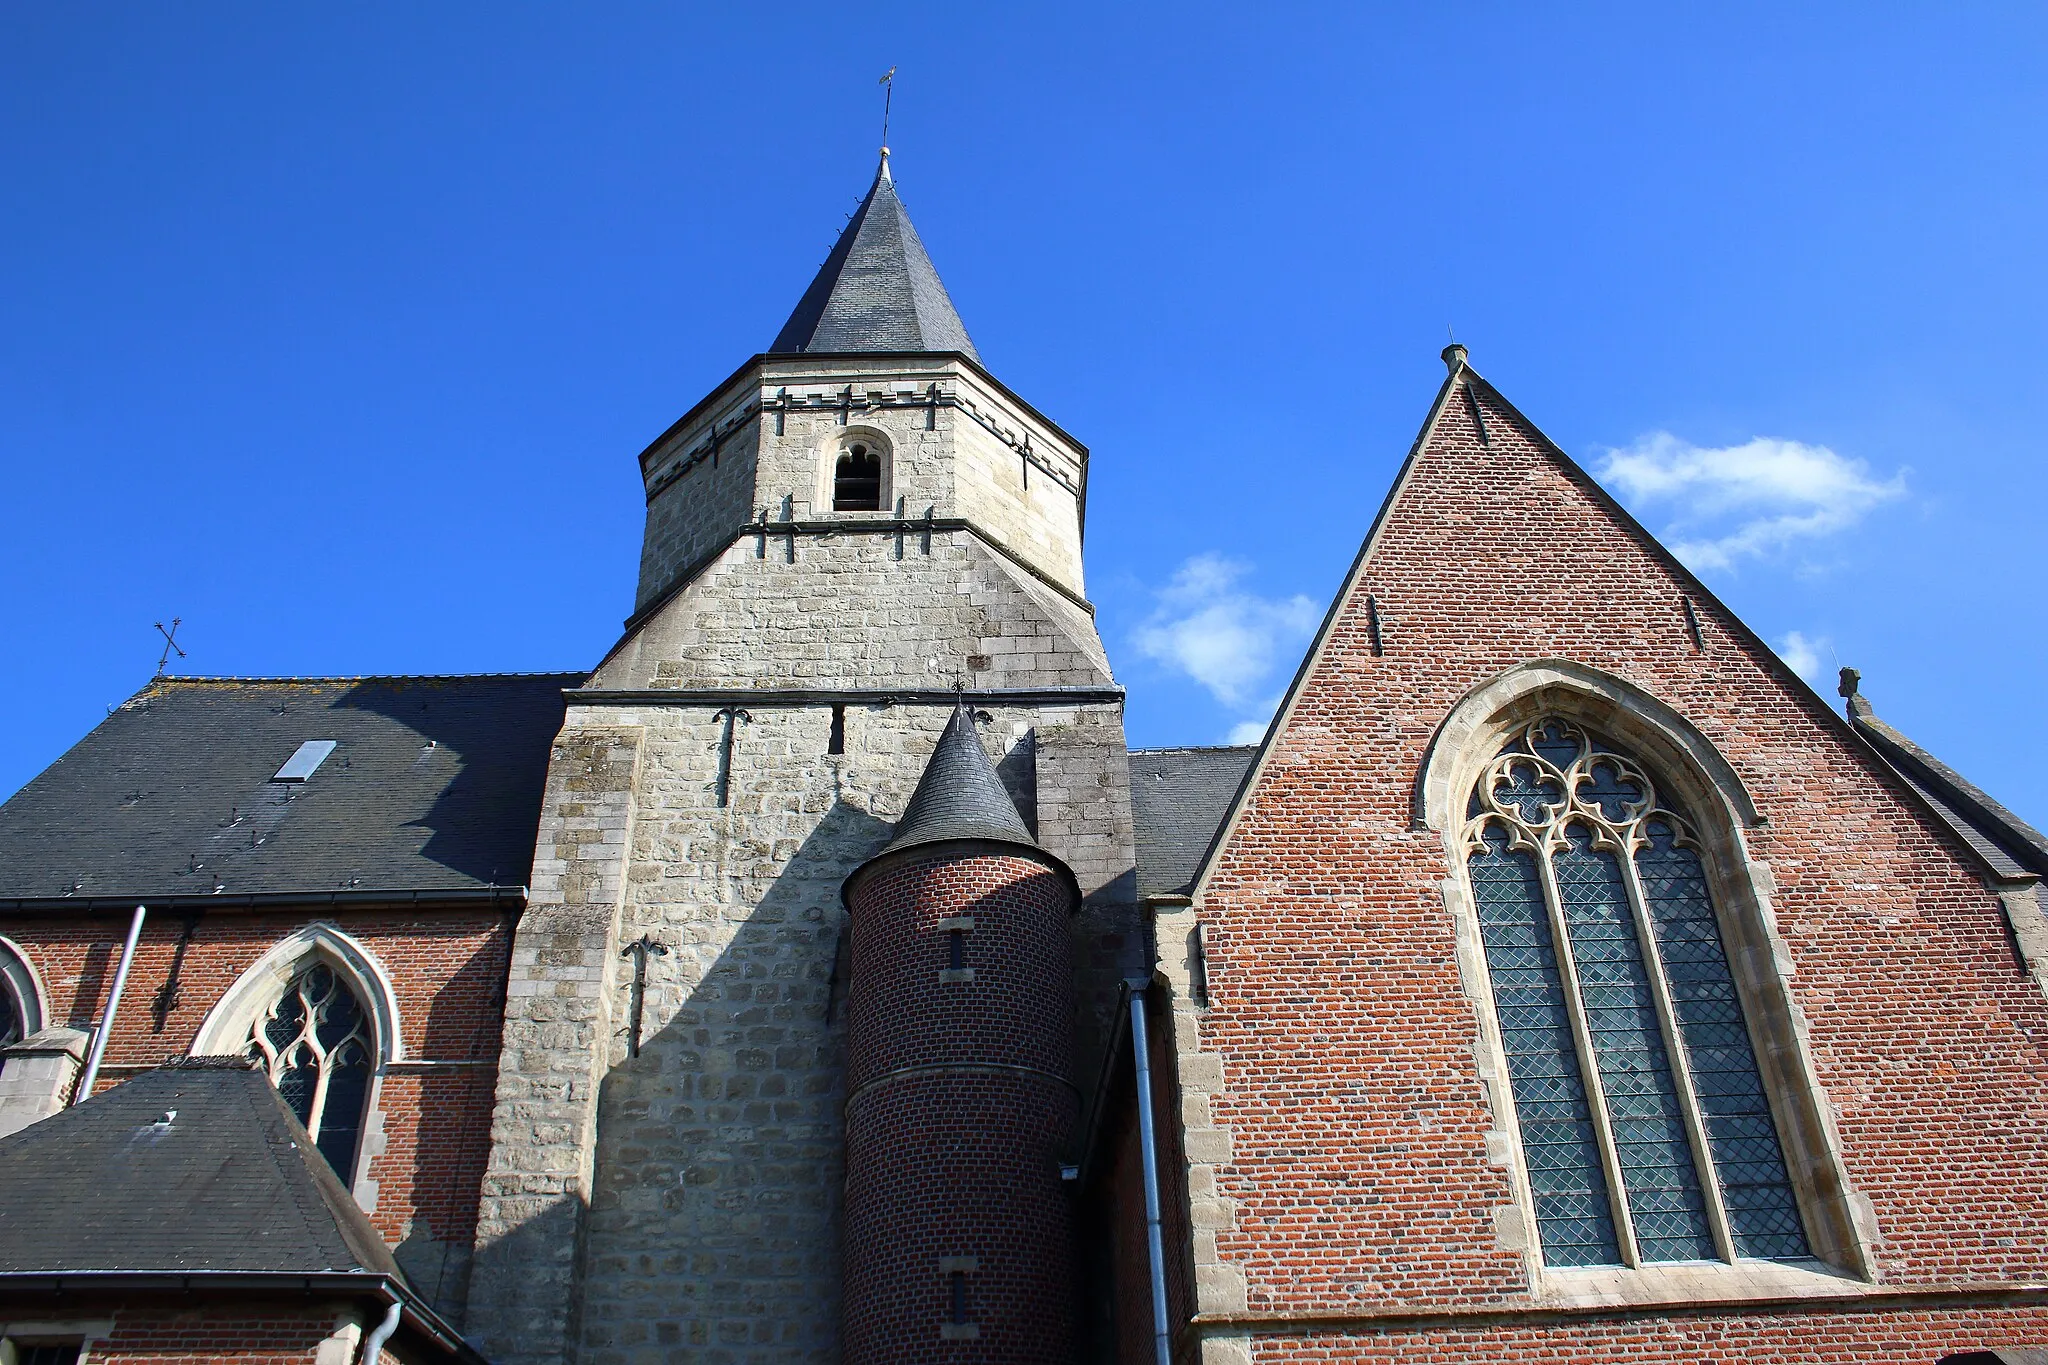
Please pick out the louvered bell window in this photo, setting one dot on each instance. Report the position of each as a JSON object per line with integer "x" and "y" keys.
{"x": 1645, "y": 1128}
{"x": 315, "y": 1043}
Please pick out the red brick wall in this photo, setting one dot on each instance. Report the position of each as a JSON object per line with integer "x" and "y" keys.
{"x": 1359, "y": 1168}
{"x": 447, "y": 970}
{"x": 963, "y": 1162}
{"x": 257, "y": 1334}
{"x": 1830, "y": 1338}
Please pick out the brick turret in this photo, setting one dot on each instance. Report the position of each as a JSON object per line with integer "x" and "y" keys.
{"x": 959, "y": 1236}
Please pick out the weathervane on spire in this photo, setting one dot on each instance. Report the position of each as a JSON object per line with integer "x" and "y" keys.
{"x": 888, "y": 95}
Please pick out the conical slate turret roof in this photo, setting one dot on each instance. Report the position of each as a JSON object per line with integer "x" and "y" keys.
{"x": 959, "y": 796}
{"x": 877, "y": 291}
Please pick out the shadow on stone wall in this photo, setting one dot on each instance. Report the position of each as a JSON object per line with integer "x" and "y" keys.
{"x": 713, "y": 1227}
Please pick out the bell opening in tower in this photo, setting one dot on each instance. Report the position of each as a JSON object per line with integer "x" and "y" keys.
{"x": 857, "y": 480}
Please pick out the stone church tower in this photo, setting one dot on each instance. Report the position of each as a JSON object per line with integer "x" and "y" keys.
{"x": 859, "y": 537}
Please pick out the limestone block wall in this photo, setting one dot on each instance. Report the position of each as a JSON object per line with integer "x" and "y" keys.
{"x": 523, "y": 1300}
{"x": 715, "y": 1199}
{"x": 869, "y": 610}
{"x": 958, "y": 446}
{"x": 699, "y": 491}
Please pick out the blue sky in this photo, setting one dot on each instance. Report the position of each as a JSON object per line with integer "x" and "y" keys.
{"x": 335, "y": 330}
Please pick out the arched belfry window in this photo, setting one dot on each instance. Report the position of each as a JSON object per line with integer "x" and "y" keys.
{"x": 857, "y": 477}
{"x": 314, "y": 1041}
{"x": 1646, "y": 1131}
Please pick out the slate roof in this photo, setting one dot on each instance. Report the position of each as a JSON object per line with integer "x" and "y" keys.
{"x": 1179, "y": 798}
{"x": 434, "y": 786}
{"x": 2009, "y": 846}
{"x": 877, "y": 291}
{"x": 232, "y": 1182}
{"x": 960, "y": 796}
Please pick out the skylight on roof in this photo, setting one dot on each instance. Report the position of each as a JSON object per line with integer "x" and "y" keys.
{"x": 301, "y": 765}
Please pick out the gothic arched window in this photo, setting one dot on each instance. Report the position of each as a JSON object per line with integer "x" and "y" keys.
{"x": 11, "y": 1031}
{"x": 1645, "y": 1127}
{"x": 21, "y": 1011}
{"x": 857, "y": 478}
{"x": 315, "y": 1043}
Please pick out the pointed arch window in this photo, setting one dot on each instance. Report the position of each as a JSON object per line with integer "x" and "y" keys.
{"x": 314, "y": 1041}
{"x": 1645, "y": 1127}
{"x": 21, "y": 1012}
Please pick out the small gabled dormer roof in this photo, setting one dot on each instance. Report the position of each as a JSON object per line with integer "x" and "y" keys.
{"x": 877, "y": 291}
{"x": 960, "y": 796}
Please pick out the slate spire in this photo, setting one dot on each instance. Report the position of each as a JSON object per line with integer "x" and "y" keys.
{"x": 877, "y": 291}
{"x": 960, "y": 796}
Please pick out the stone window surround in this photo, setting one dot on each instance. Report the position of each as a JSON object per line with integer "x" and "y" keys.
{"x": 226, "y": 1027}
{"x": 19, "y": 979}
{"x": 1839, "y": 1222}
{"x": 832, "y": 447}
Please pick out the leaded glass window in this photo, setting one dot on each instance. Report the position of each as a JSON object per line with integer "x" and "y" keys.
{"x": 10, "y": 1017}
{"x": 1644, "y": 1123}
{"x": 315, "y": 1043}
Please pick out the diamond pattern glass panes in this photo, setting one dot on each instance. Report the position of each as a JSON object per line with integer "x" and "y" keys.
{"x": 1562, "y": 812}
{"x": 1763, "y": 1214}
{"x": 1643, "y": 1110}
{"x": 10, "y": 1017}
{"x": 315, "y": 1043}
{"x": 1574, "y": 1219}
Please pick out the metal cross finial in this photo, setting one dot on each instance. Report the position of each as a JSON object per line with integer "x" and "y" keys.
{"x": 639, "y": 950}
{"x": 170, "y": 643}
{"x": 888, "y": 94}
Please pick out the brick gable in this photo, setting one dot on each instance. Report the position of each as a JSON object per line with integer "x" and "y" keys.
{"x": 1363, "y": 1163}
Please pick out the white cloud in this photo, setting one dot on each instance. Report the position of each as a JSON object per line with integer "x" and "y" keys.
{"x": 1735, "y": 502}
{"x": 1803, "y": 655}
{"x": 1230, "y": 641}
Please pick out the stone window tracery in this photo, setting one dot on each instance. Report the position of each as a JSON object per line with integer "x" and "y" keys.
{"x": 314, "y": 1041}
{"x": 1645, "y": 1128}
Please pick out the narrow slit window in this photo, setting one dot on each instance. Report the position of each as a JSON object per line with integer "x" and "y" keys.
{"x": 956, "y": 950}
{"x": 835, "y": 742}
{"x": 857, "y": 479}
{"x": 957, "y": 1295}
{"x": 1645, "y": 1127}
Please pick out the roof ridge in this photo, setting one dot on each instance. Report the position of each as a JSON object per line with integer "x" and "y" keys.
{"x": 188, "y": 678}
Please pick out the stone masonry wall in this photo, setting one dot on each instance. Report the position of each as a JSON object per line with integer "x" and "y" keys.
{"x": 523, "y": 1303}
{"x": 715, "y": 1213}
{"x": 973, "y": 454}
{"x": 869, "y": 610}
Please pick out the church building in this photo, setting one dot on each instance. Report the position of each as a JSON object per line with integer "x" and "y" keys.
{"x": 821, "y": 978}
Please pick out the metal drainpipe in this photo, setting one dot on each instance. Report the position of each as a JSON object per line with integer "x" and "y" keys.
{"x": 1155, "y": 1242}
{"x": 99, "y": 1037}
{"x": 374, "y": 1347}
